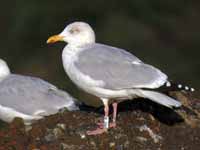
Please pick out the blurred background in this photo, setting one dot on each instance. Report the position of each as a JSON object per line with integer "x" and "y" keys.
{"x": 165, "y": 34}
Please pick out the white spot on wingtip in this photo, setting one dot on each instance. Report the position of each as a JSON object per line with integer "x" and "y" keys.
{"x": 186, "y": 88}
{"x": 168, "y": 84}
{"x": 192, "y": 89}
{"x": 180, "y": 86}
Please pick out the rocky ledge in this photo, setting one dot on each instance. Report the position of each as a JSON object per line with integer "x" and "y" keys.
{"x": 141, "y": 125}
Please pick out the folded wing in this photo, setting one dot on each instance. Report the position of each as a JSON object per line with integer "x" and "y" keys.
{"x": 117, "y": 68}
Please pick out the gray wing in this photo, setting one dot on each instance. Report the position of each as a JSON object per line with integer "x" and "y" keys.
{"x": 117, "y": 68}
{"x": 29, "y": 95}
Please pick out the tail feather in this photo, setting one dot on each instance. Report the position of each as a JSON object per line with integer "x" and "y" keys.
{"x": 161, "y": 98}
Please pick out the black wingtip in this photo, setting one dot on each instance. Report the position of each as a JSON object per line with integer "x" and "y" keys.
{"x": 178, "y": 87}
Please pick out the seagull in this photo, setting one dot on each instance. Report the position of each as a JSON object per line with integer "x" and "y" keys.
{"x": 110, "y": 73}
{"x": 30, "y": 98}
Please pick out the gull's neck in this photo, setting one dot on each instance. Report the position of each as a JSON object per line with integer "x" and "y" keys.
{"x": 72, "y": 49}
{"x": 70, "y": 55}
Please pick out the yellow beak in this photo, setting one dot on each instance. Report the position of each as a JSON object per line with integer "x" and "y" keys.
{"x": 54, "y": 38}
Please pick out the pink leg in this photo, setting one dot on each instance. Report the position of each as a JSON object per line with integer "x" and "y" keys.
{"x": 106, "y": 122}
{"x": 113, "y": 123}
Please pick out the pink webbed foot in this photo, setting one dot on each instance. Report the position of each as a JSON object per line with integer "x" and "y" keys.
{"x": 96, "y": 131}
{"x": 104, "y": 125}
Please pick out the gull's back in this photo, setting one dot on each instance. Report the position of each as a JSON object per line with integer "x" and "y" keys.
{"x": 30, "y": 95}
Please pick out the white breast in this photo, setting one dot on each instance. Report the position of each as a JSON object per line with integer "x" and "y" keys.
{"x": 83, "y": 81}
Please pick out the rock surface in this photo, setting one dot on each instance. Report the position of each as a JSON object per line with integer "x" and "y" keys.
{"x": 142, "y": 125}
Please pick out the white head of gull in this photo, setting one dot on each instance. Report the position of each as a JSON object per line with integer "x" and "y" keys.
{"x": 76, "y": 35}
{"x": 30, "y": 98}
{"x": 4, "y": 70}
{"x": 107, "y": 72}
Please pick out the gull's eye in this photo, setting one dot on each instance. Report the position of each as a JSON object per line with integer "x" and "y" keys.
{"x": 74, "y": 30}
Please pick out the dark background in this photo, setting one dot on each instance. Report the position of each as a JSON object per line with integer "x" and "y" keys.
{"x": 165, "y": 34}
